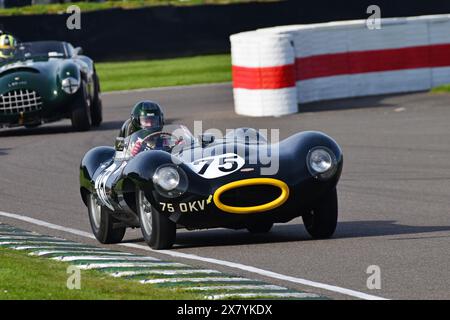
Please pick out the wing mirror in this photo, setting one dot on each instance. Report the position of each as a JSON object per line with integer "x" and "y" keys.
{"x": 78, "y": 51}
{"x": 206, "y": 139}
{"x": 120, "y": 144}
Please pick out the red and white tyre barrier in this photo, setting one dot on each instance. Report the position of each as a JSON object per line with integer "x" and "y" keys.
{"x": 263, "y": 74}
{"x": 337, "y": 60}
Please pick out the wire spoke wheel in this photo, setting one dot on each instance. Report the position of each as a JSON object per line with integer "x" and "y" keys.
{"x": 158, "y": 230}
{"x": 145, "y": 211}
{"x": 95, "y": 210}
{"x": 105, "y": 227}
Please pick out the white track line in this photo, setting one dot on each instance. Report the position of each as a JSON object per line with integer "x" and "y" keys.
{"x": 95, "y": 258}
{"x": 67, "y": 248}
{"x": 238, "y": 287}
{"x": 17, "y": 233}
{"x": 162, "y": 272}
{"x": 89, "y": 266}
{"x": 80, "y": 253}
{"x": 205, "y": 279}
{"x": 264, "y": 295}
{"x": 34, "y": 238}
{"x": 234, "y": 265}
{"x": 46, "y": 243}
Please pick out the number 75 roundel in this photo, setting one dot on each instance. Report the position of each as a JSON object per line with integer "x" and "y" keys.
{"x": 218, "y": 166}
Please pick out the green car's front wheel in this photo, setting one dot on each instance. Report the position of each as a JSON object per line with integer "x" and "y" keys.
{"x": 97, "y": 107}
{"x": 158, "y": 230}
{"x": 81, "y": 113}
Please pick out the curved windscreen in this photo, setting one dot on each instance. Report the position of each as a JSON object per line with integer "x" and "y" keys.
{"x": 245, "y": 135}
{"x": 170, "y": 138}
{"x": 39, "y": 49}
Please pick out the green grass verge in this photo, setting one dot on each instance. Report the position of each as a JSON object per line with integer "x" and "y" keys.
{"x": 27, "y": 277}
{"x": 130, "y": 4}
{"x": 161, "y": 73}
{"x": 441, "y": 89}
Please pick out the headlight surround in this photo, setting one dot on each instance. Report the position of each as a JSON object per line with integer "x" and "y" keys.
{"x": 70, "y": 85}
{"x": 321, "y": 162}
{"x": 170, "y": 181}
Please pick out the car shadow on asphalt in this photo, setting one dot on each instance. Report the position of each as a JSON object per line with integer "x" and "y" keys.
{"x": 56, "y": 129}
{"x": 297, "y": 232}
{"x": 374, "y": 101}
{"x": 360, "y": 229}
{"x": 4, "y": 151}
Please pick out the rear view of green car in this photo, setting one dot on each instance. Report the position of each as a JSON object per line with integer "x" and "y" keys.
{"x": 47, "y": 81}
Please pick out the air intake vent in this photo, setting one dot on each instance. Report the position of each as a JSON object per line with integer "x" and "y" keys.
{"x": 250, "y": 195}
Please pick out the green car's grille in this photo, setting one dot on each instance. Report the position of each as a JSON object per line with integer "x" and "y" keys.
{"x": 17, "y": 101}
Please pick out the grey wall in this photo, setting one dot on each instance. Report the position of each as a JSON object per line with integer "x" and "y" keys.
{"x": 170, "y": 31}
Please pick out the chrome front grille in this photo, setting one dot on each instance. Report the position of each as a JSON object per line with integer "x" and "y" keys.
{"x": 17, "y": 101}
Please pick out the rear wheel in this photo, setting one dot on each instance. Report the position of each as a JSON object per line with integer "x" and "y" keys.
{"x": 321, "y": 221}
{"x": 81, "y": 113}
{"x": 262, "y": 227}
{"x": 158, "y": 230}
{"x": 105, "y": 227}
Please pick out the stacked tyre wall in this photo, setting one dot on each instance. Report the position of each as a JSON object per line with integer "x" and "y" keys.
{"x": 275, "y": 69}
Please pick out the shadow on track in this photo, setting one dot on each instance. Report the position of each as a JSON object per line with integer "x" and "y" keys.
{"x": 361, "y": 229}
{"x": 4, "y": 151}
{"x": 296, "y": 232}
{"x": 351, "y": 103}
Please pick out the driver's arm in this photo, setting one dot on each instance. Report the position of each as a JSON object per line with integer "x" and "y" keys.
{"x": 136, "y": 148}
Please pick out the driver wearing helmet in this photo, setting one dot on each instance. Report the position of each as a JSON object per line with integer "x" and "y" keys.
{"x": 7, "y": 46}
{"x": 145, "y": 115}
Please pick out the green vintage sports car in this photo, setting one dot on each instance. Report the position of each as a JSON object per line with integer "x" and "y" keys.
{"x": 46, "y": 81}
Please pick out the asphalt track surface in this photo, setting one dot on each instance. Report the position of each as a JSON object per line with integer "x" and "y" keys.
{"x": 394, "y": 191}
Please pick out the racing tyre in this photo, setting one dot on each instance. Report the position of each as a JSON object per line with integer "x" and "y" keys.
{"x": 81, "y": 114}
{"x": 158, "y": 230}
{"x": 321, "y": 221}
{"x": 262, "y": 227}
{"x": 97, "y": 107}
{"x": 102, "y": 223}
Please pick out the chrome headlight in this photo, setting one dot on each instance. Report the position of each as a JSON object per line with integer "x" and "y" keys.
{"x": 321, "y": 162}
{"x": 170, "y": 181}
{"x": 70, "y": 85}
{"x": 167, "y": 178}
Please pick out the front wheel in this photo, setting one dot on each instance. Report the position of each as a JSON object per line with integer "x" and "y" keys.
{"x": 104, "y": 226}
{"x": 97, "y": 107}
{"x": 158, "y": 230}
{"x": 321, "y": 221}
{"x": 81, "y": 113}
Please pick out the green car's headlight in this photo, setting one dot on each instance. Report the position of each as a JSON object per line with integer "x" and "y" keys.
{"x": 70, "y": 85}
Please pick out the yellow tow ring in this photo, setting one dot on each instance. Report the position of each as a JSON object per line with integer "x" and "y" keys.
{"x": 251, "y": 182}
